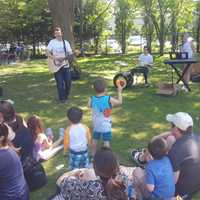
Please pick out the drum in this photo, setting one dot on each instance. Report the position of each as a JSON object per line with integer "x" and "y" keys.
{"x": 126, "y": 77}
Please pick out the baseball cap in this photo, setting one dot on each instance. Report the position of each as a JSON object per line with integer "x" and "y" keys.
{"x": 181, "y": 120}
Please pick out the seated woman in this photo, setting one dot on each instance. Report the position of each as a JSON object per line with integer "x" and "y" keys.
{"x": 108, "y": 184}
{"x": 23, "y": 139}
{"x": 12, "y": 181}
{"x": 44, "y": 148}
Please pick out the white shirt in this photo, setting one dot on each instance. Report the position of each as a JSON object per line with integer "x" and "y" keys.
{"x": 56, "y": 47}
{"x": 78, "y": 137}
{"x": 187, "y": 47}
{"x": 145, "y": 59}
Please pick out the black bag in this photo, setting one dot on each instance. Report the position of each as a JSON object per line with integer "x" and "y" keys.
{"x": 75, "y": 72}
{"x": 34, "y": 173}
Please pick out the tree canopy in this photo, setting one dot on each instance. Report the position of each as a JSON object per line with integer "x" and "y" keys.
{"x": 31, "y": 21}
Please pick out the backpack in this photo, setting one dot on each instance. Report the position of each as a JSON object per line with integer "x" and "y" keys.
{"x": 34, "y": 173}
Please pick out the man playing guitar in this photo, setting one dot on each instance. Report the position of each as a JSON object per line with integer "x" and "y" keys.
{"x": 59, "y": 52}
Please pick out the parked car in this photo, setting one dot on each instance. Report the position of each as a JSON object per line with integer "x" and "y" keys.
{"x": 136, "y": 40}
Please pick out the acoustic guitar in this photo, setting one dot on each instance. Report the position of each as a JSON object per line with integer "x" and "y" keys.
{"x": 56, "y": 64}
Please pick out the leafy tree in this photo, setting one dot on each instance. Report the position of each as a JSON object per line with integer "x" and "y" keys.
{"x": 181, "y": 19}
{"x": 62, "y": 12}
{"x": 197, "y": 25}
{"x": 124, "y": 13}
{"x": 24, "y": 20}
{"x": 91, "y": 17}
{"x": 167, "y": 17}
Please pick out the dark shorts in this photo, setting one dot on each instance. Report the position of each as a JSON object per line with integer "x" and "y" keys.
{"x": 107, "y": 136}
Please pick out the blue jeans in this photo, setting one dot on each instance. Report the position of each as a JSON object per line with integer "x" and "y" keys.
{"x": 63, "y": 81}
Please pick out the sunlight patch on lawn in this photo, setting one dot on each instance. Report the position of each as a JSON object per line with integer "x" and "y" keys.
{"x": 45, "y": 101}
{"x": 105, "y": 74}
{"x": 33, "y": 85}
{"x": 54, "y": 169}
{"x": 196, "y": 105}
{"x": 140, "y": 135}
{"x": 158, "y": 126}
{"x": 118, "y": 131}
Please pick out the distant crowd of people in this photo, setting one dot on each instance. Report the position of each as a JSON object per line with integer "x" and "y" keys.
{"x": 15, "y": 52}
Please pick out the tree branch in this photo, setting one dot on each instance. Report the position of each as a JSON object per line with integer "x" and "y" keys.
{"x": 95, "y": 20}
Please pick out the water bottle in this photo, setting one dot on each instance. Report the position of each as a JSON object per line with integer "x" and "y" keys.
{"x": 131, "y": 191}
{"x": 49, "y": 133}
{"x": 61, "y": 133}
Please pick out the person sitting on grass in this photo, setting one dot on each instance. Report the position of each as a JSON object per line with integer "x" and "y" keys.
{"x": 108, "y": 184}
{"x": 145, "y": 64}
{"x": 76, "y": 139}
{"x": 12, "y": 181}
{"x": 183, "y": 152}
{"x": 157, "y": 180}
{"x": 101, "y": 105}
{"x": 23, "y": 140}
{"x": 44, "y": 148}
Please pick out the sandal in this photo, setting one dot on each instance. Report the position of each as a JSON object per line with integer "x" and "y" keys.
{"x": 136, "y": 154}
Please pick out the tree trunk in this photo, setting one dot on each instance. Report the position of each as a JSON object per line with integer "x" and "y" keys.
{"x": 198, "y": 29}
{"x": 198, "y": 35}
{"x": 148, "y": 29}
{"x": 96, "y": 40}
{"x": 33, "y": 42}
{"x": 124, "y": 36}
{"x": 62, "y": 12}
{"x": 174, "y": 33}
{"x": 162, "y": 28}
{"x": 161, "y": 41}
{"x": 161, "y": 37}
{"x": 106, "y": 46}
{"x": 81, "y": 27}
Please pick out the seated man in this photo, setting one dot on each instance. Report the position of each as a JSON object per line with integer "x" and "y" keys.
{"x": 145, "y": 62}
{"x": 156, "y": 181}
{"x": 183, "y": 152}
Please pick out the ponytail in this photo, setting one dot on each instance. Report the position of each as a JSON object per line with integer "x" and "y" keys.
{"x": 115, "y": 189}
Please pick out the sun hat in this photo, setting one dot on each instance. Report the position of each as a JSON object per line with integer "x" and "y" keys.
{"x": 181, "y": 120}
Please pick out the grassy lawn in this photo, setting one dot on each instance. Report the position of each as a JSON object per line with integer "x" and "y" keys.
{"x": 141, "y": 116}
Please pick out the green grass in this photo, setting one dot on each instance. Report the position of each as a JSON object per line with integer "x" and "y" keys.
{"x": 141, "y": 116}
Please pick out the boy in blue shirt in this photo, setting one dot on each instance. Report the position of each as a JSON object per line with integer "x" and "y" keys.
{"x": 157, "y": 180}
{"x": 101, "y": 105}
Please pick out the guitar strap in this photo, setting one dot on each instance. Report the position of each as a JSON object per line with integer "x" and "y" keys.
{"x": 68, "y": 57}
{"x": 64, "y": 46}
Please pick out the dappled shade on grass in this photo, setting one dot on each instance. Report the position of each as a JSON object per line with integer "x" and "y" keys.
{"x": 141, "y": 116}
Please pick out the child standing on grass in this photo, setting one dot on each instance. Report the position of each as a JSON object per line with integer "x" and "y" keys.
{"x": 101, "y": 105}
{"x": 76, "y": 140}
